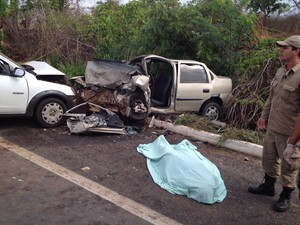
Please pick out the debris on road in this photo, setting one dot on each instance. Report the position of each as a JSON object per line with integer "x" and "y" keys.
{"x": 85, "y": 169}
{"x": 101, "y": 120}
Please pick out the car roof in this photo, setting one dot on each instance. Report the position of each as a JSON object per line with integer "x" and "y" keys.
{"x": 176, "y": 61}
{"x": 184, "y": 61}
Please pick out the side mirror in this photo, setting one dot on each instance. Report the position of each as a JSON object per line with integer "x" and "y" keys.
{"x": 18, "y": 72}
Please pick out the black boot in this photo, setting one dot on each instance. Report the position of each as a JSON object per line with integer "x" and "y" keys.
{"x": 266, "y": 188}
{"x": 283, "y": 202}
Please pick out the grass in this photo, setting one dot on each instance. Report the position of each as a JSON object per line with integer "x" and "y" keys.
{"x": 199, "y": 123}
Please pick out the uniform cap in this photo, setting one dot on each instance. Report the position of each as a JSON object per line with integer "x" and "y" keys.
{"x": 292, "y": 40}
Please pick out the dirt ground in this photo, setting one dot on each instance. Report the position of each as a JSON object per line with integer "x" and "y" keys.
{"x": 115, "y": 163}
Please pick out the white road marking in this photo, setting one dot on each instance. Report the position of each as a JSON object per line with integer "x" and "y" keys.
{"x": 129, "y": 205}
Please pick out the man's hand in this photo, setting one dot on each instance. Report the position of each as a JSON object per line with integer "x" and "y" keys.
{"x": 289, "y": 150}
{"x": 261, "y": 123}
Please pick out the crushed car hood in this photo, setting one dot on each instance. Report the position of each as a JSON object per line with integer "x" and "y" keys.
{"x": 44, "y": 71}
{"x": 108, "y": 73}
{"x": 43, "y": 68}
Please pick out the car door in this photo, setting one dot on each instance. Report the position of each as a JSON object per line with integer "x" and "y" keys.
{"x": 13, "y": 91}
{"x": 162, "y": 73}
{"x": 194, "y": 86}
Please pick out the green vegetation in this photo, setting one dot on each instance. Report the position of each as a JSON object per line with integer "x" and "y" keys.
{"x": 268, "y": 6}
{"x": 72, "y": 70}
{"x": 216, "y": 31}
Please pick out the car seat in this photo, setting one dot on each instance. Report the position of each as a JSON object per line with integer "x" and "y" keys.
{"x": 161, "y": 90}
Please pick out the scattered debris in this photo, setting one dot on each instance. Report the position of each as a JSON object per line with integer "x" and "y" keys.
{"x": 85, "y": 169}
{"x": 101, "y": 120}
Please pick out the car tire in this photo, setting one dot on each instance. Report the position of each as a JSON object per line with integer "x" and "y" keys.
{"x": 211, "y": 111}
{"x": 49, "y": 112}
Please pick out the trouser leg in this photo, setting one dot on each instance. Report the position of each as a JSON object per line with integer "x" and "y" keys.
{"x": 273, "y": 162}
{"x": 271, "y": 165}
{"x": 270, "y": 157}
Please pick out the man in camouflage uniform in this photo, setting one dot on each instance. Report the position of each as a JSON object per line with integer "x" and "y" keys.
{"x": 279, "y": 117}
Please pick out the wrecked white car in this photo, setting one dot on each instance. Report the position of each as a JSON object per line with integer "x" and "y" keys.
{"x": 30, "y": 91}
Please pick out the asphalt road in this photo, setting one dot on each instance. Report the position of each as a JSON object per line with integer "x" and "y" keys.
{"x": 65, "y": 193}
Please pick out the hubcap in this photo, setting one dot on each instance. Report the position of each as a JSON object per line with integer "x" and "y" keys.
{"x": 212, "y": 113}
{"x": 52, "y": 113}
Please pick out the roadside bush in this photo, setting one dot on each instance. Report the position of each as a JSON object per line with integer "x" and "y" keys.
{"x": 39, "y": 32}
{"x": 72, "y": 70}
{"x": 252, "y": 89}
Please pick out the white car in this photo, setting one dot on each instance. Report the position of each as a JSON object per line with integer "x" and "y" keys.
{"x": 33, "y": 90}
{"x": 184, "y": 86}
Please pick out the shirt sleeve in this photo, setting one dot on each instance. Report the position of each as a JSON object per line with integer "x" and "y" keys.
{"x": 266, "y": 110}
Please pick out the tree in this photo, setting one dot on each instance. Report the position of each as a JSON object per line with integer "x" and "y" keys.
{"x": 297, "y": 4}
{"x": 166, "y": 33}
{"x": 267, "y": 7}
{"x": 3, "y": 11}
{"x": 241, "y": 4}
{"x": 114, "y": 28}
{"x": 216, "y": 32}
{"x": 230, "y": 36}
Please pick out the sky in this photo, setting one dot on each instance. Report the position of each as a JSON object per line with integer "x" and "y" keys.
{"x": 87, "y": 3}
{"x": 90, "y": 3}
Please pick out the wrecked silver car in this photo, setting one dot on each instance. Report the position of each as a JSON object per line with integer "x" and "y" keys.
{"x": 179, "y": 85}
{"x": 151, "y": 83}
{"x": 119, "y": 87}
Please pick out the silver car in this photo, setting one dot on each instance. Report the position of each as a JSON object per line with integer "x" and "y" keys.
{"x": 184, "y": 86}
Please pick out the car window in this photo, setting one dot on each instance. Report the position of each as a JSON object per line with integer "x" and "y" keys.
{"x": 160, "y": 67}
{"x": 211, "y": 75}
{"x": 192, "y": 73}
{"x": 4, "y": 68}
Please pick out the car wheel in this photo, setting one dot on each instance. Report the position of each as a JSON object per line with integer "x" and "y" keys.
{"x": 211, "y": 111}
{"x": 49, "y": 112}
